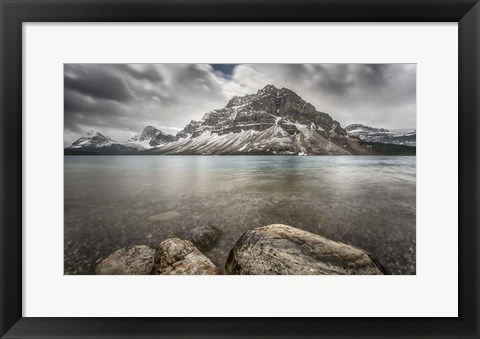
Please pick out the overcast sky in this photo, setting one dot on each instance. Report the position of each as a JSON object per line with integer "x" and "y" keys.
{"x": 120, "y": 100}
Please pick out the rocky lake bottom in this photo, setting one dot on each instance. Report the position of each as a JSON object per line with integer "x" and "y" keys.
{"x": 118, "y": 201}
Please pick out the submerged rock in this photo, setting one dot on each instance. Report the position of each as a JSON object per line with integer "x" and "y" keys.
{"x": 128, "y": 260}
{"x": 164, "y": 216}
{"x": 204, "y": 237}
{"x": 282, "y": 249}
{"x": 180, "y": 257}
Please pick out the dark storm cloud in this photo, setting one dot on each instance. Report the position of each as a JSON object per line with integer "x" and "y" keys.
{"x": 96, "y": 81}
{"x": 381, "y": 95}
{"x": 334, "y": 79}
{"x": 148, "y": 72}
{"x": 372, "y": 81}
{"x": 120, "y": 99}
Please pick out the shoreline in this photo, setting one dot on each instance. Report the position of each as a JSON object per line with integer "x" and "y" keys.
{"x": 275, "y": 249}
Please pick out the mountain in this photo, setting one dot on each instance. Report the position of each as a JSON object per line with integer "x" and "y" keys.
{"x": 94, "y": 143}
{"x": 382, "y": 135}
{"x": 93, "y": 140}
{"x": 150, "y": 137}
{"x": 271, "y": 121}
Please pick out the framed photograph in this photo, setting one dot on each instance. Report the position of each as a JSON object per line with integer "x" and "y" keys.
{"x": 253, "y": 169}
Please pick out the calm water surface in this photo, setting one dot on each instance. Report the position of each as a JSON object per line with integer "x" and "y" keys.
{"x": 366, "y": 201}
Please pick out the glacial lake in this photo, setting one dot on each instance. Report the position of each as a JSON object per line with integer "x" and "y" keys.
{"x": 117, "y": 201}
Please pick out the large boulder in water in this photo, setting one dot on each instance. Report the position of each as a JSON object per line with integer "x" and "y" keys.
{"x": 128, "y": 260}
{"x": 180, "y": 257}
{"x": 204, "y": 237}
{"x": 282, "y": 249}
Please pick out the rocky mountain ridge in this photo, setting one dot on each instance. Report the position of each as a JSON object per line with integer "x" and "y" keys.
{"x": 271, "y": 121}
{"x": 382, "y": 135}
{"x": 93, "y": 140}
{"x": 151, "y": 137}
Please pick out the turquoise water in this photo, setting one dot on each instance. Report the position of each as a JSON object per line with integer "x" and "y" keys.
{"x": 117, "y": 201}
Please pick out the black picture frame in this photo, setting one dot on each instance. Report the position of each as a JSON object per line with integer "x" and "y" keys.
{"x": 14, "y": 12}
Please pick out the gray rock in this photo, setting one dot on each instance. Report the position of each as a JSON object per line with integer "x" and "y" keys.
{"x": 180, "y": 257}
{"x": 164, "y": 216}
{"x": 204, "y": 237}
{"x": 128, "y": 260}
{"x": 282, "y": 249}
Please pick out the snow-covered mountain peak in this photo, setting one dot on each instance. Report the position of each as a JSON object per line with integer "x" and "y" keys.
{"x": 259, "y": 111}
{"x": 271, "y": 121}
{"x": 93, "y": 139}
{"x": 150, "y": 137}
{"x": 147, "y": 134}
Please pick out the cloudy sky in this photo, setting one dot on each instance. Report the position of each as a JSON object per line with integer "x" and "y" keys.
{"x": 120, "y": 100}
